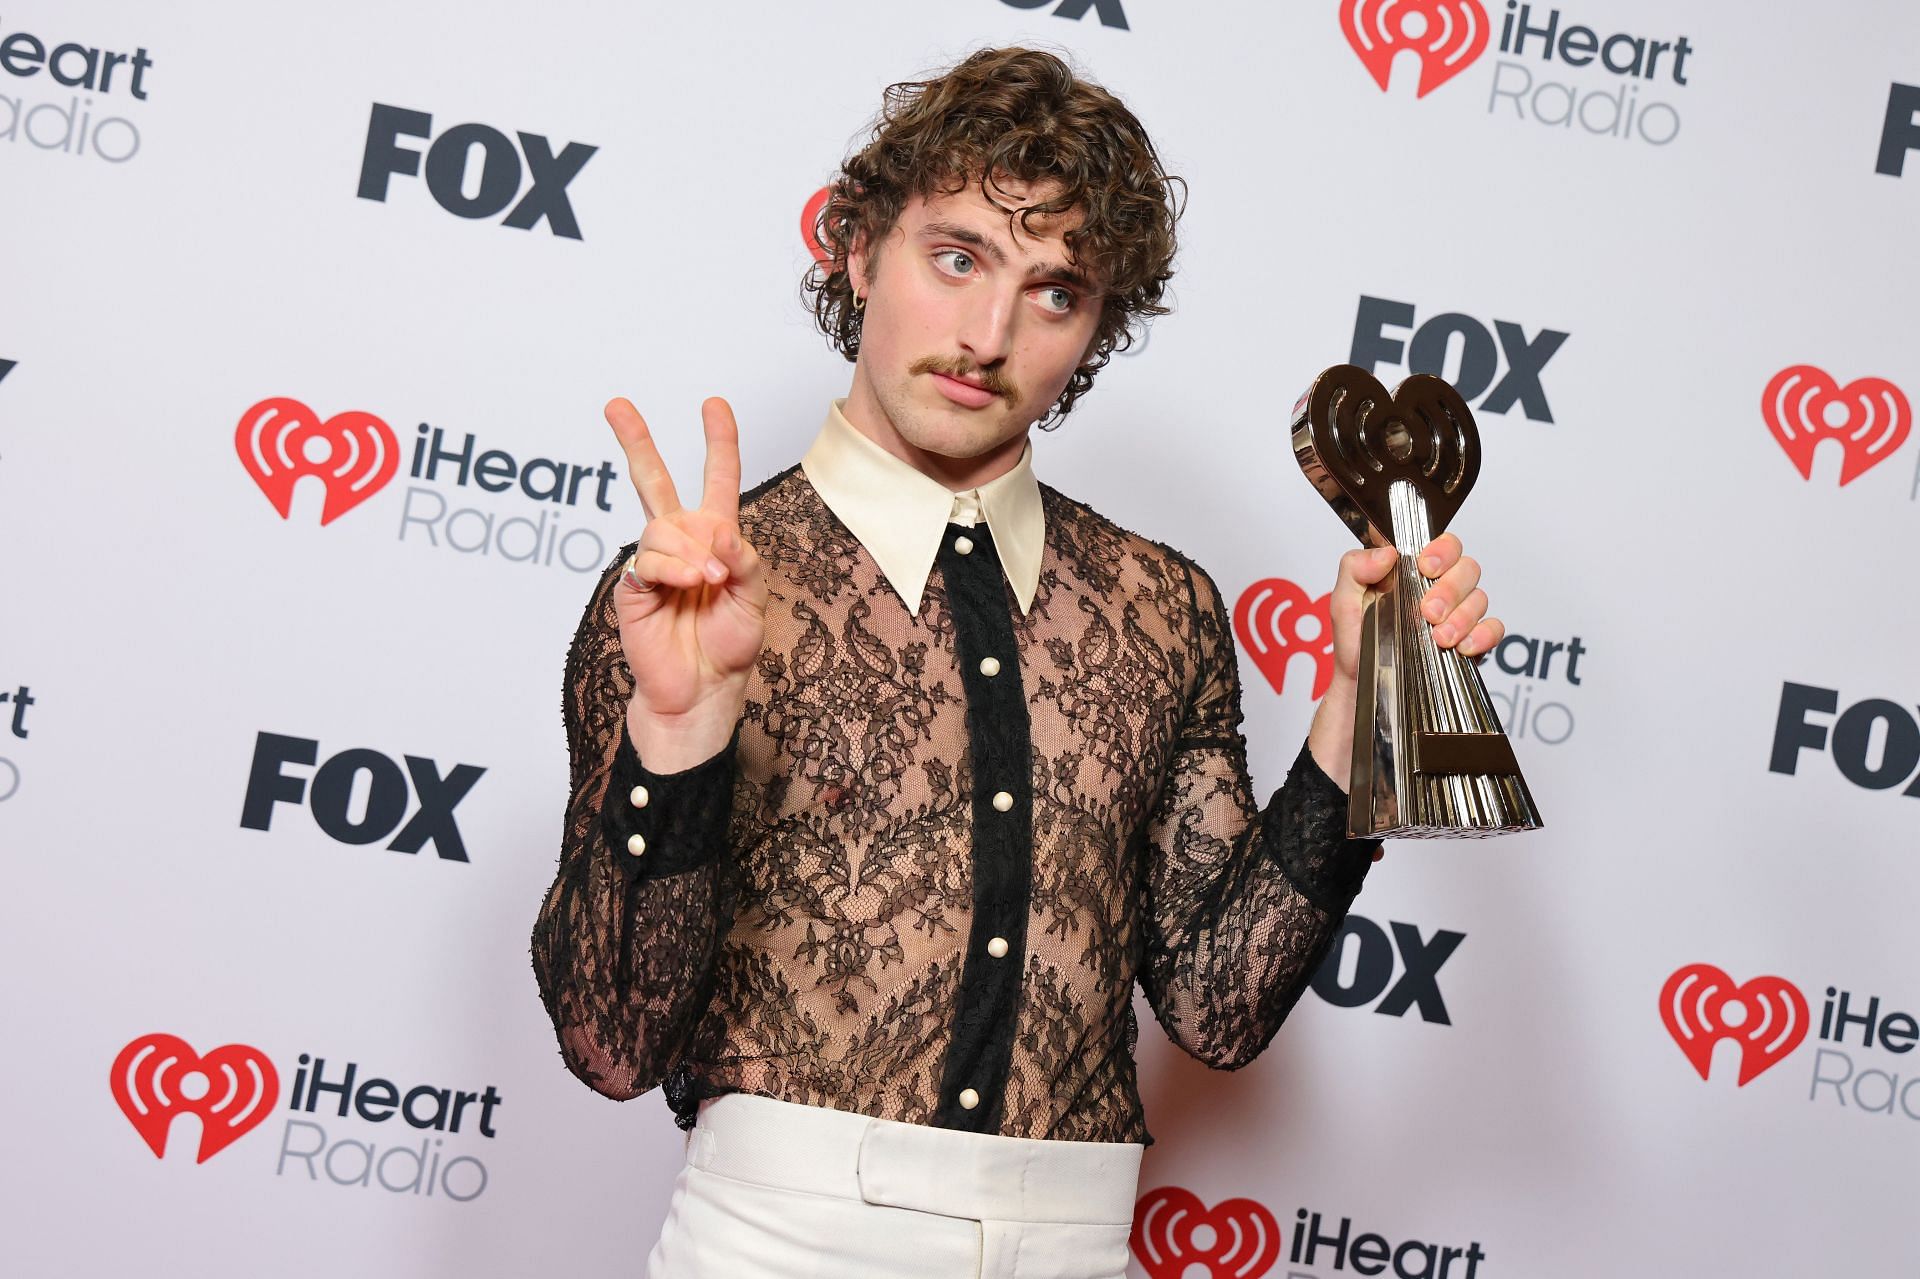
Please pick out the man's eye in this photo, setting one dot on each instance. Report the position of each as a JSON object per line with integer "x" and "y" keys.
{"x": 955, "y": 261}
{"x": 1056, "y": 299}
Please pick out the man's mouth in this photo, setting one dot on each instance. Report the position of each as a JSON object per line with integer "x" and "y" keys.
{"x": 963, "y": 391}
{"x": 964, "y": 383}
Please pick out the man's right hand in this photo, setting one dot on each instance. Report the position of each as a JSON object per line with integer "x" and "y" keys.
{"x": 692, "y": 626}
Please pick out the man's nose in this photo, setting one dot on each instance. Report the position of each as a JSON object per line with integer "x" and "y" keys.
{"x": 986, "y": 329}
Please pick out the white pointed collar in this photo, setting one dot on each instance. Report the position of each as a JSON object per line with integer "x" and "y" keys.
{"x": 900, "y": 515}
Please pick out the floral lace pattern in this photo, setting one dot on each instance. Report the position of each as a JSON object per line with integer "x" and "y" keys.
{"x": 799, "y": 924}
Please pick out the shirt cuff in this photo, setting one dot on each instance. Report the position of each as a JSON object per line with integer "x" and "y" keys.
{"x": 1306, "y": 832}
{"x": 660, "y": 824}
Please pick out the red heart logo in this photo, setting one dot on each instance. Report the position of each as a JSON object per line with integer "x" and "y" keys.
{"x": 1267, "y": 620}
{"x": 157, "y": 1077}
{"x": 1447, "y": 35}
{"x": 353, "y": 453}
{"x": 1172, "y": 1230}
{"x": 1701, "y": 1006}
{"x": 1869, "y": 416}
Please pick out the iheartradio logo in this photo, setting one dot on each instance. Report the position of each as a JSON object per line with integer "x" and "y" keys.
{"x": 1804, "y": 406}
{"x": 1447, "y": 35}
{"x": 1175, "y": 1236}
{"x": 157, "y": 1077}
{"x": 1173, "y": 1231}
{"x": 1268, "y": 618}
{"x": 280, "y": 441}
{"x": 1701, "y": 1006}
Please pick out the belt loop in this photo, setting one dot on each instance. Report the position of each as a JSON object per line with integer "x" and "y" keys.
{"x": 701, "y": 1143}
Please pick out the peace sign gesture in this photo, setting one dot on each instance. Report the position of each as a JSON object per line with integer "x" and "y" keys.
{"x": 691, "y": 602}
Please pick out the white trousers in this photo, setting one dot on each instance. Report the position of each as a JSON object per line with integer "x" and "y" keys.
{"x": 775, "y": 1190}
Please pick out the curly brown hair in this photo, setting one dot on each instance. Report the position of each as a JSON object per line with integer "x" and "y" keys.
{"x": 1020, "y": 114}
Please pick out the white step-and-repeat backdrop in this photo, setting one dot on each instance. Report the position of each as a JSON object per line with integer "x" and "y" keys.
{"x": 281, "y": 766}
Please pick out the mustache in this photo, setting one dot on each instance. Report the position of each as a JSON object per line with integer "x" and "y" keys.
{"x": 989, "y": 379}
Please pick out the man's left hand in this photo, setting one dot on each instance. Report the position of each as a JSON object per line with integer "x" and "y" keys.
{"x": 1455, "y": 605}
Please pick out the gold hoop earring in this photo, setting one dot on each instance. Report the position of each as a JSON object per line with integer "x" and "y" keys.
{"x": 859, "y": 303}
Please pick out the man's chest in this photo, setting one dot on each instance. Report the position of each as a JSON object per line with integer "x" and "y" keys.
{"x": 863, "y": 719}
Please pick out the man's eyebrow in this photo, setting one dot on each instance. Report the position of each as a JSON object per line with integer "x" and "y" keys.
{"x": 1039, "y": 270}
{"x": 1064, "y": 274}
{"x": 965, "y": 235}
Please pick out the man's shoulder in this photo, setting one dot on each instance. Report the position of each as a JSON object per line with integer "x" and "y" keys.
{"x": 1079, "y": 532}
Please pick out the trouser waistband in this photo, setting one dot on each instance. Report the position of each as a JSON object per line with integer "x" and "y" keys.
{"x": 981, "y": 1176}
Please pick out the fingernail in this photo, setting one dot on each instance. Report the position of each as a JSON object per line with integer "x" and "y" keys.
{"x": 1443, "y": 636}
{"x": 715, "y": 570}
{"x": 1434, "y": 609}
{"x": 1429, "y": 565}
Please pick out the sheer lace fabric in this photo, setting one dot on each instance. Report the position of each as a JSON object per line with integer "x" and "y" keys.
{"x": 801, "y": 923}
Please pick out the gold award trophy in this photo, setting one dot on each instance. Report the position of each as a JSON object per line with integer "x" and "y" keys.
{"x": 1429, "y": 757}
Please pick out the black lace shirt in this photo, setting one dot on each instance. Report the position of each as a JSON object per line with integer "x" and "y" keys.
{"x": 915, "y": 889}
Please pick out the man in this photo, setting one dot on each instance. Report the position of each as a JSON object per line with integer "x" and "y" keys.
{"x": 892, "y": 776}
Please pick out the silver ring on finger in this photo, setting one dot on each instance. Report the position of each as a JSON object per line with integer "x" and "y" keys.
{"x": 631, "y": 576}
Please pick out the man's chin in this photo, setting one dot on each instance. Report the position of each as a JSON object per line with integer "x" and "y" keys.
{"x": 964, "y": 433}
{"x": 933, "y": 418}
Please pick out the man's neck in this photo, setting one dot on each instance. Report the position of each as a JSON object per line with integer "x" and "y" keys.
{"x": 864, "y": 413}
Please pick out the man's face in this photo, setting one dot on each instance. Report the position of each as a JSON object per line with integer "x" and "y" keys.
{"x": 972, "y": 328}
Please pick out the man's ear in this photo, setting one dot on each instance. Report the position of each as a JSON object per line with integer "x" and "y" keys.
{"x": 859, "y": 260}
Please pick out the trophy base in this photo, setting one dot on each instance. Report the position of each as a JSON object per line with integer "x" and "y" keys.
{"x": 1430, "y": 760}
{"x": 1440, "y": 832}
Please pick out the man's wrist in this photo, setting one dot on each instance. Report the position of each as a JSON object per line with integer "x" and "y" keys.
{"x": 676, "y": 742}
{"x": 1330, "y": 738}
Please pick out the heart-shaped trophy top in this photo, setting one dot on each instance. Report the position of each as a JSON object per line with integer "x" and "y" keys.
{"x": 1353, "y": 440}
